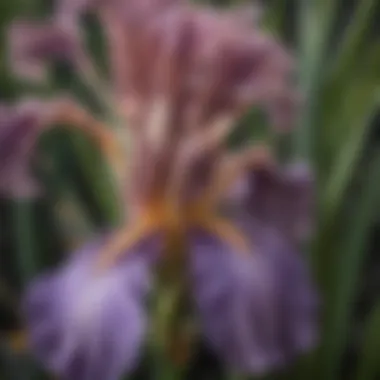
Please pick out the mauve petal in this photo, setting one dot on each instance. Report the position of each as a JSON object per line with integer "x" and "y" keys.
{"x": 88, "y": 325}
{"x": 257, "y": 310}
{"x": 20, "y": 126}
{"x": 228, "y": 66}
{"x": 32, "y": 45}
{"x": 122, "y": 22}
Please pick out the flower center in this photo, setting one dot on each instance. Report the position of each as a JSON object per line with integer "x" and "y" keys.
{"x": 173, "y": 222}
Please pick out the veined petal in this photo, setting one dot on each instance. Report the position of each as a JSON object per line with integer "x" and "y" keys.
{"x": 222, "y": 65}
{"x": 33, "y": 45}
{"x": 281, "y": 198}
{"x": 285, "y": 200}
{"x": 84, "y": 324}
{"x": 124, "y": 23}
{"x": 20, "y": 126}
{"x": 22, "y": 123}
{"x": 257, "y": 311}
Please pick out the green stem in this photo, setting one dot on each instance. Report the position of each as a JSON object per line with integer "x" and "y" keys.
{"x": 26, "y": 251}
{"x": 23, "y": 222}
{"x": 102, "y": 182}
{"x": 369, "y": 366}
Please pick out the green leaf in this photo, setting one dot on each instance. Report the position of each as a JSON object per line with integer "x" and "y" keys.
{"x": 347, "y": 102}
{"x": 275, "y": 17}
{"x": 339, "y": 298}
{"x": 354, "y": 36}
{"x": 315, "y": 20}
{"x": 345, "y": 164}
{"x": 369, "y": 364}
{"x": 24, "y": 238}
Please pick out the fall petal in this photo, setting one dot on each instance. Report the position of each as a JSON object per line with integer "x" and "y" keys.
{"x": 281, "y": 198}
{"x": 257, "y": 310}
{"x": 89, "y": 325}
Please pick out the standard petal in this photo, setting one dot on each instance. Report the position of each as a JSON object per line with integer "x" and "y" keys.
{"x": 22, "y": 123}
{"x": 88, "y": 325}
{"x": 225, "y": 66}
{"x": 19, "y": 128}
{"x": 257, "y": 310}
{"x": 33, "y": 45}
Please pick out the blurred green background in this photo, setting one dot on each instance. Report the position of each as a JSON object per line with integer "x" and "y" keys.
{"x": 337, "y": 43}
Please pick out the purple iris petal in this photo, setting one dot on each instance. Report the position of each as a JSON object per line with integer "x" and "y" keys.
{"x": 258, "y": 310}
{"x": 33, "y": 44}
{"x": 88, "y": 325}
{"x": 20, "y": 126}
{"x": 280, "y": 198}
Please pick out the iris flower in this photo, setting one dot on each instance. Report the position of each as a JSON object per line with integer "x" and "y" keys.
{"x": 182, "y": 77}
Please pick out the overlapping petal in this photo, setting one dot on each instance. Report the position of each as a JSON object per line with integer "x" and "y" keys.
{"x": 282, "y": 198}
{"x": 222, "y": 65}
{"x": 33, "y": 45}
{"x": 176, "y": 68}
{"x": 20, "y": 125}
{"x": 257, "y": 310}
{"x": 86, "y": 324}
{"x": 184, "y": 71}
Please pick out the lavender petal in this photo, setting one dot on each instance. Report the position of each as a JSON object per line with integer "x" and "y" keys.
{"x": 88, "y": 325}
{"x": 281, "y": 198}
{"x": 259, "y": 310}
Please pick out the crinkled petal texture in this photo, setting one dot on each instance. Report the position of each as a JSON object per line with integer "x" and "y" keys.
{"x": 86, "y": 325}
{"x": 257, "y": 310}
{"x": 282, "y": 198}
{"x": 32, "y": 45}
{"x": 20, "y": 126}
